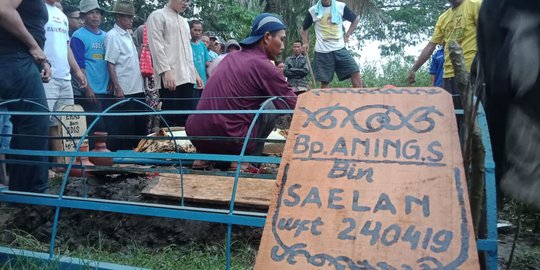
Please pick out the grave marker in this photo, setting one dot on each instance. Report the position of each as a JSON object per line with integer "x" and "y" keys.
{"x": 74, "y": 125}
{"x": 371, "y": 179}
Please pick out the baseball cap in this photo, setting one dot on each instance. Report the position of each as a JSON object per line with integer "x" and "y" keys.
{"x": 264, "y": 22}
{"x": 86, "y": 6}
{"x": 231, "y": 42}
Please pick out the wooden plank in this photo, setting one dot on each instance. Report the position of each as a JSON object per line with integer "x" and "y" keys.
{"x": 370, "y": 179}
{"x": 73, "y": 125}
{"x": 251, "y": 192}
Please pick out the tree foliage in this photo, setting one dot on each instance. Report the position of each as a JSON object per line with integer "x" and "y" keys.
{"x": 227, "y": 18}
{"x": 397, "y": 23}
{"x": 400, "y": 23}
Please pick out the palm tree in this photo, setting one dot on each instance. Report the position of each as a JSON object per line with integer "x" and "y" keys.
{"x": 273, "y": 5}
{"x": 293, "y": 12}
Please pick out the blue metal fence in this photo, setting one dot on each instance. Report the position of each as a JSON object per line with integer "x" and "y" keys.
{"x": 230, "y": 217}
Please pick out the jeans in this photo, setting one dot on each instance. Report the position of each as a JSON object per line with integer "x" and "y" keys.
{"x": 6, "y": 128}
{"x": 20, "y": 78}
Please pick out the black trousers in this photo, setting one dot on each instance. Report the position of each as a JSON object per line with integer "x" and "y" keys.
{"x": 265, "y": 126}
{"x": 184, "y": 97}
{"x": 89, "y": 106}
{"x": 125, "y": 129}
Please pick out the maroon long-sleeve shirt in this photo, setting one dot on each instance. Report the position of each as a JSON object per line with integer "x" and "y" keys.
{"x": 242, "y": 81}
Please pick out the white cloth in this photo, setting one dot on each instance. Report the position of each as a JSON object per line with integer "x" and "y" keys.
{"x": 56, "y": 43}
{"x": 169, "y": 40}
{"x": 329, "y": 35}
{"x": 122, "y": 53}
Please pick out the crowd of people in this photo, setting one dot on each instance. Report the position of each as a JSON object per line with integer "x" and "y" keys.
{"x": 60, "y": 58}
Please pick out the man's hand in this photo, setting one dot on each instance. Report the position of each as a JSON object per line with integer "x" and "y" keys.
{"x": 305, "y": 48}
{"x": 81, "y": 79}
{"x": 346, "y": 38}
{"x": 199, "y": 82}
{"x": 118, "y": 92}
{"x": 411, "y": 78}
{"x": 38, "y": 54}
{"x": 90, "y": 95}
{"x": 46, "y": 72}
{"x": 168, "y": 80}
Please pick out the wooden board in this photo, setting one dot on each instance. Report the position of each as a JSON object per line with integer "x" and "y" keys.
{"x": 371, "y": 179}
{"x": 213, "y": 189}
{"x": 73, "y": 125}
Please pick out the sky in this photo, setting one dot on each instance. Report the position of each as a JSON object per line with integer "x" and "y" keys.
{"x": 370, "y": 52}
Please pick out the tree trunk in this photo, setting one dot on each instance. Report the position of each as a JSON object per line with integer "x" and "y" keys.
{"x": 472, "y": 147}
{"x": 272, "y": 6}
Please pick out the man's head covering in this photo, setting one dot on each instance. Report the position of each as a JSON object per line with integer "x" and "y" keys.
{"x": 215, "y": 39}
{"x": 231, "y": 42}
{"x": 124, "y": 7}
{"x": 88, "y": 5}
{"x": 264, "y": 22}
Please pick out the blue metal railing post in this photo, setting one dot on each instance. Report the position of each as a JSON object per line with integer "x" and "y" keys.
{"x": 491, "y": 194}
{"x": 239, "y": 161}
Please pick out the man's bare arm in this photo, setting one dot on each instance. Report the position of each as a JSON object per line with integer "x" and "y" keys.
{"x": 117, "y": 91}
{"x": 75, "y": 69}
{"x": 353, "y": 26}
{"x": 424, "y": 56}
{"x": 11, "y": 21}
{"x": 305, "y": 40}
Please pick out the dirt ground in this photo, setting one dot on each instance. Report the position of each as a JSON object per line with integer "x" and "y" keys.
{"x": 116, "y": 231}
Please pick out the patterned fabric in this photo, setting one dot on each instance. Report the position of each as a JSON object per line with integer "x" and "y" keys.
{"x": 152, "y": 99}
{"x": 146, "y": 60}
{"x": 150, "y": 90}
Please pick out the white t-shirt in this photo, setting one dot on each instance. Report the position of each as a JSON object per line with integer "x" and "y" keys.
{"x": 56, "y": 43}
{"x": 329, "y": 35}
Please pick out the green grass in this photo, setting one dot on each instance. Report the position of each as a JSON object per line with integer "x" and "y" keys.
{"x": 527, "y": 259}
{"x": 192, "y": 256}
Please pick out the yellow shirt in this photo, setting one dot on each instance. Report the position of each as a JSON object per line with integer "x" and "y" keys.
{"x": 458, "y": 24}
